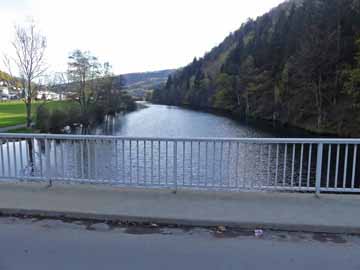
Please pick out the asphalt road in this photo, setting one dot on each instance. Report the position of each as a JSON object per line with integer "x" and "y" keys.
{"x": 51, "y": 244}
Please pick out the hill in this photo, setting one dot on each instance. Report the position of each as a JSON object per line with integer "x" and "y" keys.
{"x": 298, "y": 64}
{"x": 5, "y": 78}
{"x": 137, "y": 84}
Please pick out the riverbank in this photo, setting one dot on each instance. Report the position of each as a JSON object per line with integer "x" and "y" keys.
{"x": 13, "y": 113}
{"x": 248, "y": 210}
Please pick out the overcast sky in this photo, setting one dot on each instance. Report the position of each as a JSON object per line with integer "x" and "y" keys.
{"x": 133, "y": 35}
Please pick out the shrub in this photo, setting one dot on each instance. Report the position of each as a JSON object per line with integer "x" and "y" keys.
{"x": 73, "y": 115}
{"x": 54, "y": 120}
{"x": 42, "y": 118}
{"x": 58, "y": 120}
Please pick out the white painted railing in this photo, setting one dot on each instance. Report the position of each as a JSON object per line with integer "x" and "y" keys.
{"x": 309, "y": 165}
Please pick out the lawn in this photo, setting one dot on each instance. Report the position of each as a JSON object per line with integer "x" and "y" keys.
{"x": 22, "y": 130}
{"x": 13, "y": 113}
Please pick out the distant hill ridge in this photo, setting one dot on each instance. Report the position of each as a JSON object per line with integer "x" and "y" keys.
{"x": 137, "y": 84}
{"x": 134, "y": 78}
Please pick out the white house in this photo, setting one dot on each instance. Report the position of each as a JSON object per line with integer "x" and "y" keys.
{"x": 47, "y": 95}
{"x": 4, "y": 91}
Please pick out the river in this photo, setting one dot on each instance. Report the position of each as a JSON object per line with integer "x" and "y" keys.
{"x": 163, "y": 121}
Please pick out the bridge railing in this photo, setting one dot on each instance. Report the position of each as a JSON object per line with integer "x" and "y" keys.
{"x": 305, "y": 165}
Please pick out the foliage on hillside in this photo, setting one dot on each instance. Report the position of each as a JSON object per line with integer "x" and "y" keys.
{"x": 298, "y": 64}
{"x": 5, "y": 77}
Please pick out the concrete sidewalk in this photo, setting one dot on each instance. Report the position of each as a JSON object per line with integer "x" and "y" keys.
{"x": 278, "y": 211}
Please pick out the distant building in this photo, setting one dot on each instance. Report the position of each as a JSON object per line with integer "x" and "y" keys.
{"x": 4, "y": 91}
{"x": 9, "y": 92}
{"x": 47, "y": 95}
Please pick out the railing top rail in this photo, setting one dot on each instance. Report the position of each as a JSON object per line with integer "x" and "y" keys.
{"x": 241, "y": 140}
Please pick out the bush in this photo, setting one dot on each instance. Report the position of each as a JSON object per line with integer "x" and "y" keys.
{"x": 73, "y": 115}
{"x": 127, "y": 103}
{"x": 98, "y": 113}
{"x": 55, "y": 120}
{"x": 42, "y": 118}
{"x": 58, "y": 120}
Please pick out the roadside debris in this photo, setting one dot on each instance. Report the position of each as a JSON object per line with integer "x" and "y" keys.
{"x": 221, "y": 229}
{"x": 259, "y": 233}
{"x": 100, "y": 227}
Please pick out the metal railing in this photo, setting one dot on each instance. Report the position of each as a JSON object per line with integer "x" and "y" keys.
{"x": 308, "y": 165}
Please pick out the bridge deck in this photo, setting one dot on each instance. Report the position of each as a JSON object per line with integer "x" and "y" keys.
{"x": 280, "y": 211}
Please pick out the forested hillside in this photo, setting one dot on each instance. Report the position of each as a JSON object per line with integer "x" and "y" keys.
{"x": 299, "y": 64}
{"x": 4, "y": 76}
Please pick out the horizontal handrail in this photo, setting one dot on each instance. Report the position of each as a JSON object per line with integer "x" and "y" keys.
{"x": 171, "y": 139}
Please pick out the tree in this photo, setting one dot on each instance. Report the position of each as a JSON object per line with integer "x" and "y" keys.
{"x": 58, "y": 82}
{"x": 314, "y": 64}
{"x": 95, "y": 88}
{"x": 352, "y": 84}
{"x": 108, "y": 91}
{"x": 83, "y": 70}
{"x": 243, "y": 84}
{"x": 225, "y": 96}
{"x": 29, "y": 46}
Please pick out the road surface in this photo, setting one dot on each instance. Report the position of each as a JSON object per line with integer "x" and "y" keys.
{"x": 53, "y": 244}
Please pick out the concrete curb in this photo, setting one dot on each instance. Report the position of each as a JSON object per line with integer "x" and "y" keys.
{"x": 180, "y": 222}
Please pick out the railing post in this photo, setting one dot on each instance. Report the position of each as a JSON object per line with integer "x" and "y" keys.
{"x": 319, "y": 159}
{"x": 175, "y": 165}
{"x": 47, "y": 162}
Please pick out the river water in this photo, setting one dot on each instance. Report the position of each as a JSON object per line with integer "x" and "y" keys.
{"x": 170, "y": 121}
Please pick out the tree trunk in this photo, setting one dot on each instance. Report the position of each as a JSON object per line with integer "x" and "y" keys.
{"x": 338, "y": 55}
{"x": 31, "y": 158}
{"x": 28, "y": 113}
{"x": 28, "y": 105}
{"x": 247, "y": 108}
{"x": 320, "y": 103}
{"x": 238, "y": 98}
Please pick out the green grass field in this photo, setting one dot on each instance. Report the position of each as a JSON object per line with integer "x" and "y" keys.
{"x": 13, "y": 113}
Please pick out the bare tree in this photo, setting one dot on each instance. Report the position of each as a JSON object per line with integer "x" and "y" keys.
{"x": 58, "y": 82}
{"x": 85, "y": 75}
{"x": 29, "y": 47}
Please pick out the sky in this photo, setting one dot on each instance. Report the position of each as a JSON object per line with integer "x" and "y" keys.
{"x": 133, "y": 35}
